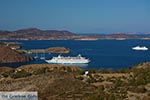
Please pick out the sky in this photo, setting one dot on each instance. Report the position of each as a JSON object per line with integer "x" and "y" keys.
{"x": 79, "y": 16}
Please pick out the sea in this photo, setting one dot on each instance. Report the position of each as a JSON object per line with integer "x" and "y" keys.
{"x": 102, "y": 53}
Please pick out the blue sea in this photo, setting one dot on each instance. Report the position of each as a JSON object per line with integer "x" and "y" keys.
{"x": 102, "y": 53}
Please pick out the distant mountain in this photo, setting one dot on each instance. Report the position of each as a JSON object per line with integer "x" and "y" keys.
{"x": 140, "y": 33}
{"x": 36, "y": 34}
{"x": 118, "y": 36}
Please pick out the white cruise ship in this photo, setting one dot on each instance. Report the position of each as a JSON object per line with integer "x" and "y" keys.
{"x": 69, "y": 60}
{"x": 140, "y": 48}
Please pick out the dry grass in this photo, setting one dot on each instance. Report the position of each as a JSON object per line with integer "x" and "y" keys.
{"x": 5, "y": 69}
{"x": 54, "y": 84}
{"x": 49, "y": 66}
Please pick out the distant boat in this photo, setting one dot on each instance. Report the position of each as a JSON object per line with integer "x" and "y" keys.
{"x": 42, "y": 56}
{"x": 68, "y": 60}
{"x": 120, "y": 38}
{"x": 36, "y": 56}
{"x": 140, "y": 48}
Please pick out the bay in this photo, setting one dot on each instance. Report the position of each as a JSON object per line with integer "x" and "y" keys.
{"x": 102, "y": 53}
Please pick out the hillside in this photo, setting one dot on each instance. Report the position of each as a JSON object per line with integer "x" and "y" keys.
{"x": 58, "y": 82}
{"x": 35, "y": 34}
{"x": 53, "y": 82}
{"x": 8, "y": 55}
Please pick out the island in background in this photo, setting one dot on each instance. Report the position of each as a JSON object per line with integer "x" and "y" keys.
{"x": 59, "y": 82}
{"x": 37, "y": 34}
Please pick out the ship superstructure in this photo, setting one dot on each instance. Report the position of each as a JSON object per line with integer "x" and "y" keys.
{"x": 140, "y": 48}
{"x": 68, "y": 60}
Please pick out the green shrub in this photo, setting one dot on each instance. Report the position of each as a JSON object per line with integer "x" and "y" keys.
{"x": 101, "y": 70}
{"x": 92, "y": 70}
{"x": 91, "y": 80}
{"x": 40, "y": 71}
{"x": 111, "y": 97}
{"x": 109, "y": 70}
{"x": 148, "y": 94}
{"x": 81, "y": 72}
{"x": 120, "y": 70}
{"x": 138, "y": 89}
{"x": 63, "y": 68}
{"x": 79, "y": 78}
{"x": 20, "y": 74}
{"x": 69, "y": 69}
{"x": 100, "y": 80}
{"x": 44, "y": 98}
{"x": 8, "y": 73}
{"x": 119, "y": 83}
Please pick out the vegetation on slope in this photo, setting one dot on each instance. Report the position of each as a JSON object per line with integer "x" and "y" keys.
{"x": 58, "y": 82}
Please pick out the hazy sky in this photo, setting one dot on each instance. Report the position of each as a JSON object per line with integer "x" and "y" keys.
{"x": 79, "y": 16}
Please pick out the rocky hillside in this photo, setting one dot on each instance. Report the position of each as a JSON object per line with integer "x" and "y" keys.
{"x": 8, "y": 55}
{"x": 35, "y": 34}
{"x": 59, "y": 82}
{"x": 53, "y": 82}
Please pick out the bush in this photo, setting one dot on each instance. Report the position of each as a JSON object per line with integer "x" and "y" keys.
{"x": 81, "y": 72}
{"x": 91, "y": 80}
{"x": 40, "y": 71}
{"x": 92, "y": 70}
{"x": 8, "y": 73}
{"x": 95, "y": 97}
{"x": 119, "y": 83}
{"x": 148, "y": 94}
{"x": 101, "y": 88}
{"x": 101, "y": 70}
{"x": 111, "y": 97}
{"x": 20, "y": 74}
{"x": 100, "y": 80}
{"x": 69, "y": 69}
{"x": 120, "y": 70}
{"x": 63, "y": 68}
{"x": 79, "y": 78}
{"x": 44, "y": 98}
{"x": 138, "y": 89}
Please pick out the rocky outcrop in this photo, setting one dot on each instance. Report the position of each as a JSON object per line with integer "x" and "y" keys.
{"x": 12, "y": 45}
{"x": 51, "y": 50}
{"x": 8, "y": 55}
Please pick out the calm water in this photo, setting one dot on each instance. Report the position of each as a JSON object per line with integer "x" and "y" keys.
{"x": 102, "y": 53}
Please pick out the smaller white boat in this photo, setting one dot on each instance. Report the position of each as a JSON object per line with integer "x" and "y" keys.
{"x": 140, "y": 48}
{"x": 36, "y": 56}
{"x": 42, "y": 56}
